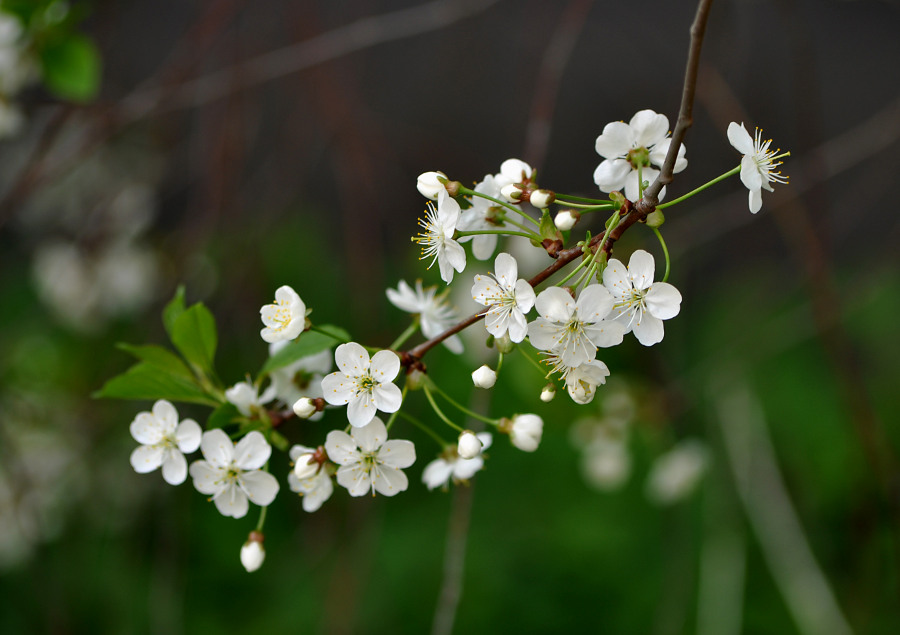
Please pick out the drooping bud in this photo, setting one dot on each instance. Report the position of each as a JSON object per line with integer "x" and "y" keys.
{"x": 524, "y": 431}
{"x": 305, "y": 407}
{"x": 548, "y": 393}
{"x": 469, "y": 446}
{"x": 484, "y": 377}
{"x": 253, "y": 554}
{"x": 306, "y": 466}
{"x": 512, "y": 192}
{"x": 566, "y": 219}
{"x": 542, "y": 199}
{"x": 430, "y": 185}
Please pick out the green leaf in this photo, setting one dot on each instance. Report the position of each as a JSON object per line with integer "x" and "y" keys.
{"x": 72, "y": 67}
{"x": 222, "y": 416}
{"x": 159, "y": 357}
{"x": 194, "y": 335}
{"x": 309, "y": 343}
{"x": 145, "y": 381}
{"x": 173, "y": 309}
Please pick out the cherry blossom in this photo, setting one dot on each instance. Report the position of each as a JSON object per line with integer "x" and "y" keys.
{"x": 246, "y": 398}
{"x": 483, "y": 215}
{"x": 164, "y": 442}
{"x": 231, "y": 473}
{"x": 286, "y": 318}
{"x": 253, "y": 554}
{"x": 507, "y": 297}
{"x": 758, "y": 163}
{"x": 368, "y": 461}
{"x": 451, "y": 465}
{"x": 525, "y": 431}
{"x": 315, "y": 485}
{"x": 363, "y": 384}
{"x": 582, "y": 380}
{"x": 435, "y": 314}
{"x": 437, "y": 241}
{"x": 429, "y": 184}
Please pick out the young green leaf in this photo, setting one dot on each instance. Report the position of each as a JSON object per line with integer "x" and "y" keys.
{"x": 194, "y": 335}
{"x": 72, "y": 67}
{"x": 146, "y": 381}
{"x": 309, "y": 343}
{"x": 222, "y": 416}
{"x": 173, "y": 309}
{"x": 159, "y": 357}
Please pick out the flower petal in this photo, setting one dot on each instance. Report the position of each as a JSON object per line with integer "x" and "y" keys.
{"x": 352, "y": 359}
{"x": 341, "y": 448}
{"x": 525, "y": 296}
{"x": 611, "y": 174}
{"x": 252, "y": 452}
{"x": 388, "y": 480}
{"x": 506, "y": 271}
{"x": 174, "y": 468}
{"x": 649, "y": 128}
{"x": 755, "y": 201}
{"x": 750, "y": 176}
{"x": 640, "y": 269}
{"x": 544, "y": 335}
{"x": 387, "y": 397}
{"x": 207, "y": 479}
{"x": 370, "y": 437}
{"x": 397, "y": 453}
{"x": 146, "y": 429}
{"x": 231, "y": 501}
{"x": 188, "y": 435}
{"x": 448, "y": 212}
{"x": 260, "y": 487}
{"x": 555, "y": 304}
{"x": 361, "y": 409}
{"x": 663, "y": 300}
{"x": 615, "y": 141}
{"x": 615, "y": 278}
{"x": 338, "y": 389}
{"x": 739, "y": 138}
{"x": 355, "y": 478}
{"x": 594, "y": 303}
{"x": 146, "y": 458}
{"x": 166, "y": 415}
{"x": 404, "y": 298}
{"x": 385, "y": 366}
{"x": 318, "y": 490}
{"x": 518, "y": 327}
{"x": 217, "y": 448}
{"x": 436, "y": 473}
{"x": 467, "y": 468}
{"x": 605, "y": 333}
{"x": 648, "y": 330}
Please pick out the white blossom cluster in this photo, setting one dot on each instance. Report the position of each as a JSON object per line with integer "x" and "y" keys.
{"x": 17, "y": 70}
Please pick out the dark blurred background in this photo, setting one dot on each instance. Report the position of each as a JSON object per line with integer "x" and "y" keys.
{"x": 238, "y": 146}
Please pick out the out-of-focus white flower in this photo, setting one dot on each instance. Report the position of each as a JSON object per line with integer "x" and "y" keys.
{"x": 364, "y": 385}
{"x": 302, "y": 378}
{"x": 483, "y": 215}
{"x": 572, "y": 329}
{"x": 484, "y": 377}
{"x": 638, "y": 144}
{"x": 507, "y": 297}
{"x": 469, "y": 445}
{"x": 231, "y": 473}
{"x": 164, "y": 442}
{"x": 453, "y": 466}
{"x": 429, "y": 184}
{"x": 286, "y": 318}
{"x": 253, "y": 554}
{"x": 548, "y": 393}
{"x": 11, "y": 119}
{"x": 565, "y": 220}
{"x": 316, "y": 488}
{"x": 675, "y": 474}
{"x": 758, "y": 163}
{"x": 525, "y": 432}
{"x": 437, "y": 241}
{"x": 606, "y": 466}
{"x": 368, "y": 461}
{"x": 641, "y": 305}
{"x": 435, "y": 314}
{"x": 246, "y": 398}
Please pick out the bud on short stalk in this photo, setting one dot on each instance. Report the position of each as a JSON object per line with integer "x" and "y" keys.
{"x": 305, "y": 466}
{"x": 512, "y": 192}
{"x": 253, "y": 554}
{"x": 548, "y": 393}
{"x": 542, "y": 199}
{"x": 484, "y": 377}
{"x": 469, "y": 446}
{"x": 430, "y": 185}
{"x": 524, "y": 431}
{"x": 305, "y": 407}
{"x": 566, "y": 219}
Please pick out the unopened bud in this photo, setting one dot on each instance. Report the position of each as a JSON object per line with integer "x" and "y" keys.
{"x": 469, "y": 446}
{"x": 430, "y": 185}
{"x": 566, "y": 219}
{"x": 305, "y": 408}
{"x": 542, "y": 198}
{"x": 415, "y": 379}
{"x": 253, "y": 554}
{"x": 548, "y": 393}
{"x": 512, "y": 192}
{"x": 305, "y": 466}
{"x": 484, "y": 377}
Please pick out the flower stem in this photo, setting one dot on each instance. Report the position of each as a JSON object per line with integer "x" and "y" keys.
{"x": 437, "y": 410}
{"x": 589, "y": 208}
{"x": 468, "y": 192}
{"x": 393, "y": 416}
{"x": 580, "y": 199}
{"x": 262, "y": 516}
{"x": 461, "y": 407}
{"x": 421, "y": 426}
{"x": 665, "y": 251}
{"x": 533, "y": 362}
{"x": 499, "y": 363}
{"x": 405, "y": 335}
{"x": 507, "y": 219}
{"x": 731, "y": 172}
{"x": 504, "y": 232}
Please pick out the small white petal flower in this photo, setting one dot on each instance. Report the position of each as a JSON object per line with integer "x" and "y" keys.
{"x": 246, "y": 398}
{"x": 302, "y": 378}
{"x": 565, "y": 220}
{"x": 582, "y": 381}
{"x": 364, "y": 385}
{"x": 437, "y": 240}
{"x": 368, "y": 461}
{"x": 507, "y": 297}
{"x": 435, "y": 314}
{"x": 315, "y": 489}
{"x": 573, "y": 330}
{"x": 164, "y": 442}
{"x": 285, "y": 319}
{"x": 305, "y": 464}
{"x": 429, "y": 184}
{"x": 231, "y": 473}
{"x": 758, "y": 163}
{"x": 525, "y": 432}
{"x": 548, "y": 393}
{"x": 483, "y": 215}
{"x": 675, "y": 474}
{"x": 452, "y": 466}
{"x": 513, "y": 171}
{"x": 468, "y": 446}
{"x": 253, "y": 554}
{"x": 641, "y": 305}
{"x": 484, "y": 377}
{"x": 625, "y": 147}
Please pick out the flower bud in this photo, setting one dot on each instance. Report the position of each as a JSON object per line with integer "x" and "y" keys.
{"x": 253, "y": 553}
{"x": 305, "y": 408}
{"x": 542, "y": 198}
{"x": 484, "y": 377}
{"x": 525, "y": 432}
{"x": 415, "y": 379}
{"x": 512, "y": 192}
{"x": 469, "y": 446}
{"x": 548, "y": 393}
{"x": 429, "y": 184}
{"x": 566, "y": 219}
{"x": 305, "y": 466}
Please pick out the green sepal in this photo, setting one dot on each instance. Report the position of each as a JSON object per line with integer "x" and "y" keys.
{"x": 146, "y": 381}
{"x": 309, "y": 343}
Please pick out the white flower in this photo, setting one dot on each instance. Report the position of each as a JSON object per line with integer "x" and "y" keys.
{"x": 468, "y": 446}
{"x": 437, "y": 239}
{"x": 758, "y": 163}
{"x": 640, "y": 304}
{"x": 483, "y": 215}
{"x": 435, "y": 314}
{"x": 368, "y": 461}
{"x": 439, "y": 472}
{"x": 582, "y": 381}
{"x": 542, "y": 199}
{"x": 315, "y": 489}
{"x": 513, "y": 171}
{"x": 246, "y": 398}
{"x": 304, "y": 408}
{"x": 606, "y": 466}
{"x": 548, "y": 393}
{"x": 231, "y": 473}
{"x": 285, "y": 319}
{"x": 363, "y": 384}
{"x": 641, "y": 142}
{"x": 573, "y": 330}
{"x": 429, "y": 184}
{"x": 508, "y": 299}
{"x": 302, "y": 378}
{"x": 305, "y": 464}
{"x": 253, "y": 554}
{"x": 164, "y": 442}
{"x": 525, "y": 432}
{"x": 565, "y": 220}
{"x": 675, "y": 474}
{"x": 484, "y": 377}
